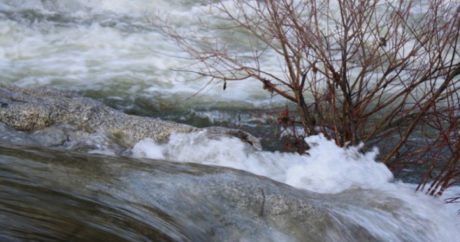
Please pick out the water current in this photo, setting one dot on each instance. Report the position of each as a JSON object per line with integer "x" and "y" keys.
{"x": 110, "y": 50}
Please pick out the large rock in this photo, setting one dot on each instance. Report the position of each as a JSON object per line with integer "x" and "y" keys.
{"x": 40, "y": 108}
{"x": 95, "y": 198}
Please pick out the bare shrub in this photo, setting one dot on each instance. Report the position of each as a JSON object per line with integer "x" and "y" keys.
{"x": 379, "y": 72}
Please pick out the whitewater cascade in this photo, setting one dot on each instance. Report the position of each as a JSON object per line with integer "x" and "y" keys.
{"x": 109, "y": 49}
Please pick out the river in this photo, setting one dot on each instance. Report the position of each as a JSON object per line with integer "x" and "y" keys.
{"x": 110, "y": 50}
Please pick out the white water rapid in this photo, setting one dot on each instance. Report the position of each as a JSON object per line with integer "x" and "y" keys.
{"x": 326, "y": 168}
{"x": 112, "y": 46}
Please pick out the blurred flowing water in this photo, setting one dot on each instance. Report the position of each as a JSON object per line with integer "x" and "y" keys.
{"x": 111, "y": 51}
{"x": 53, "y": 195}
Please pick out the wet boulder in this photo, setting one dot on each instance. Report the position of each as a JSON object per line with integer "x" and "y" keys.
{"x": 154, "y": 200}
{"x": 36, "y": 109}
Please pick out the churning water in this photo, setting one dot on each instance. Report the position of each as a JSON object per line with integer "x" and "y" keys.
{"x": 111, "y": 49}
{"x": 109, "y": 46}
{"x": 56, "y": 195}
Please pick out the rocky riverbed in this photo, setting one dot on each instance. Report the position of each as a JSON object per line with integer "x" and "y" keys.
{"x": 53, "y": 186}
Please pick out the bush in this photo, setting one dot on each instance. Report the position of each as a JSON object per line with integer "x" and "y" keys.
{"x": 357, "y": 71}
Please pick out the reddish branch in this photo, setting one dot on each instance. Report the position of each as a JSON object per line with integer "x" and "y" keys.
{"x": 356, "y": 71}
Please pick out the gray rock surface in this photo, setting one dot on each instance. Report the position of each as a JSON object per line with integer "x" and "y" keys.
{"x": 185, "y": 202}
{"x": 41, "y": 108}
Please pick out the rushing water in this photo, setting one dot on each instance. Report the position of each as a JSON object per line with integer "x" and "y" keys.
{"x": 108, "y": 46}
{"x": 109, "y": 49}
{"x": 65, "y": 196}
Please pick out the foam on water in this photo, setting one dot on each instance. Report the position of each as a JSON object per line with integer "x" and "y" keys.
{"x": 86, "y": 44}
{"x": 96, "y": 44}
{"x": 326, "y": 168}
{"x": 91, "y": 44}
